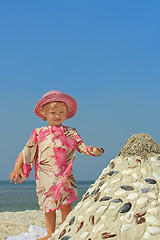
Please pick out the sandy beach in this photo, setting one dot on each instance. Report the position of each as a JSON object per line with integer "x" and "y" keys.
{"x": 14, "y": 223}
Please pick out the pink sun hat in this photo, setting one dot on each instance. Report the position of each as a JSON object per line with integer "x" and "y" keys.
{"x": 57, "y": 96}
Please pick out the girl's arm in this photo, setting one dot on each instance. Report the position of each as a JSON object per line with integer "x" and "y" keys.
{"x": 84, "y": 149}
{"x": 18, "y": 171}
{"x": 25, "y": 160}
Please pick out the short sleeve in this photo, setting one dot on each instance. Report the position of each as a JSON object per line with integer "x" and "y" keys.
{"x": 84, "y": 149}
{"x": 29, "y": 154}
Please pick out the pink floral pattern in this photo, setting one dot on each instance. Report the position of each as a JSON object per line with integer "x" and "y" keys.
{"x": 52, "y": 150}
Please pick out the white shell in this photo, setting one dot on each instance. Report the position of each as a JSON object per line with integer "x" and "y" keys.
{"x": 144, "y": 171}
{"x": 153, "y": 210}
{"x": 115, "y": 181}
{"x": 154, "y": 203}
{"x": 132, "y": 196}
{"x": 84, "y": 234}
{"x": 125, "y": 227}
{"x": 153, "y": 221}
{"x": 152, "y": 195}
{"x": 138, "y": 184}
{"x": 129, "y": 217}
{"x": 111, "y": 207}
{"x": 135, "y": 176}
{"x": 119, "y": 193}
{"x": 86, "y": 204}
{"x": 90, "y": 210}
{"x": 153, "y": 159}
{"x": 156, "y": 175}
{"x": 153, "y": 230}
{"x": 80, "y": 218}
{"x": 79, "y": 205}
{"x": 130, "y": 159}
{"x": 104, "y": 186}
{"x": 142, "y": 200}
{"x": 108, "y": 190}
{"x": 147, "y": 235}
{"x": 127, "y": 172}
{"x": 101, "y": 209}
{"x": 98, "y": 228}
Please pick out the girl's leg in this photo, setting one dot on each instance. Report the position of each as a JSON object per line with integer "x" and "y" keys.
{"x": 65, "y": 211}
{"x": 50, "y": 219}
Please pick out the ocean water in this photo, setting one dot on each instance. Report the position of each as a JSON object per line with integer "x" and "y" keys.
{"x": 21, "y": 197}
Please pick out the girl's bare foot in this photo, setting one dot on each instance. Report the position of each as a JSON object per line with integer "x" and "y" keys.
{"x": 44, "y": 238}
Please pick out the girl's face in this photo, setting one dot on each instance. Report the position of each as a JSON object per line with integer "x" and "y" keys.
{"x": 56, "y": 115}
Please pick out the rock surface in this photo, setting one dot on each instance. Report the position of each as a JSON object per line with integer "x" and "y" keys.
{"x": 124, "y": 202}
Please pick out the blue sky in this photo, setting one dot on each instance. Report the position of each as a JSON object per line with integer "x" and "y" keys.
{"x": 106, "y": 54}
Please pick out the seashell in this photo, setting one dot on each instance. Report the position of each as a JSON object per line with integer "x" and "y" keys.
{"x": 85, "y": 196}
{"x": 125, "y": 227}
{"x": 153, "y": 230}
{"x": 150, "y": 181}
{"x": 69, "y": 229}
{"x": 140, "y": 214}
{"x": 66, "y": 238}
{"x": 154, "y": 203}
{"x": 111, "y": 207}
{"x": 117, "y": 200}
{"x": 112, "y": 173}
{"x": 153, "y": 221}
{"x": 125, "y": 208}
{"x": 147, "y": 235}
{"x": 132, "y": 196}
{"x": 135, "y": 176}
{"x": 111, "y": 165}
{"x": 153, "y": 210}
{"x": 138, "y": 161}
{"x": 80, "y": 226}
{"x": 80, "y": 218}
{"x": 105, "y": 199}
{"x": 145, "y": 190}
{"x": 98, "y": 228}
{"x": 127, "y": 172}
{"x": 90, "y": 210}
{"x": 119, "y": 193}
{"x": 103, "y": 176}
{"x": 138, "y": 184}
{"x": 101, "y": 183}
{"x": 72, "y": 221}
{"x": 156, "y": 175}
{"x": 130, "y": 159}
{"x": 84, "y": 234}
{"x": 106, "y": 235}
{"x": 142, "y": 200}
{"x": 86, "y": 204}
{"x": 91, "y": 219}
{"x": 62, "y": 233}
{"x": 140, "y": 220}
{"x": 129, "y": 216}
{"x": 152, "y": 195}
{"x": 144, "y": 171}
{"x": 108, "y": 190}
{"x": 79, "y": 205}
{"x": 97, "y": 197}
{"x": 94, "y": 192}
{"x": 127, "y": 187}
{"x": 153, "y": 159}
{"x": 115, "y": 181}
{"x": 101, "y": 209}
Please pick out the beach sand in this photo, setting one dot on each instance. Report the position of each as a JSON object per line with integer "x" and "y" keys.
{"x": 14, "y": 223}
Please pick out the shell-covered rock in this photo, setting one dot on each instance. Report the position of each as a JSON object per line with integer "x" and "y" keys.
{"x": 124, "y": 202}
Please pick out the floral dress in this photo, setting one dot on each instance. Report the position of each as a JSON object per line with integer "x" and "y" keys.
{"x": 52, "y": 150}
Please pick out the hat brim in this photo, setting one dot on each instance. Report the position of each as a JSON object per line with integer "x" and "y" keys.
{"x": 70, "y": 102}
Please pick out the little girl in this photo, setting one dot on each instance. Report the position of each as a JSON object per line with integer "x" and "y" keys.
{"x": 52, "y": 150}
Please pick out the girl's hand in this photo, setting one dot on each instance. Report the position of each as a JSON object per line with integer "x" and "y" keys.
{"x": 17, "y": 175}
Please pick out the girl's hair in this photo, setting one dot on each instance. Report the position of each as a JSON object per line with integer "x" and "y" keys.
{"x": 54, "y": 104}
